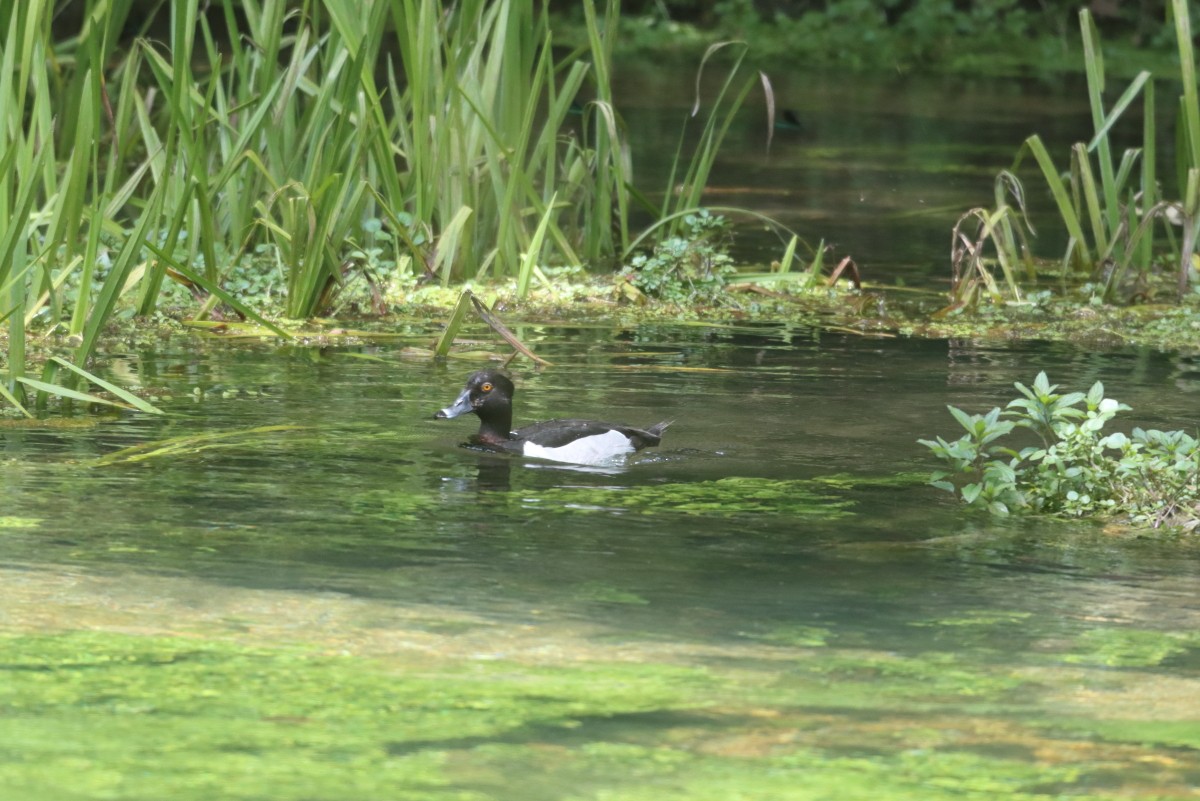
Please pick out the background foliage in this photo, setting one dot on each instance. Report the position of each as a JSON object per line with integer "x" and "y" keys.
{"x": 958, "y": 34}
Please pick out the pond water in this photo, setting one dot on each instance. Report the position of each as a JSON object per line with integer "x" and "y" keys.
{"x": 770, "y": 605}
{"x": 879, "y": 169}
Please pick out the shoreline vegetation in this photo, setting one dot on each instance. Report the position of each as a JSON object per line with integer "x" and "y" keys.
{"x": 998, "y": 39}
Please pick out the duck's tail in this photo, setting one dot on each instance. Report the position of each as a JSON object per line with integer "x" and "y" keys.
{"x": 658, "y": 428}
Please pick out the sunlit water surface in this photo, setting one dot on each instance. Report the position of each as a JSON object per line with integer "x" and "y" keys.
{"x": 773, "y": 596}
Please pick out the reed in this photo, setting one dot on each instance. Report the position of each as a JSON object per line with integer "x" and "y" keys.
{"x": 1118, "y": 224}
{"x": 285, "y": 146}
{"x": 689, "y": 176}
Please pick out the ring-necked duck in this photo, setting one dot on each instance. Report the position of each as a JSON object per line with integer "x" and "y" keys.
{"x": 489, "y": 395}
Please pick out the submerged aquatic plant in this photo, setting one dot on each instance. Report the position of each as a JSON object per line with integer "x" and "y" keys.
{"x": 1076, "y": 469}
{"x": 726, "y": 497}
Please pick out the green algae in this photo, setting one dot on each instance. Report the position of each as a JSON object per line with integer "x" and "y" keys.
{"x": 725, "y": 497}
{"x": 793, "y": 635}
{"x": 1148, "y": 733}
{"x": 881, "y": 681}
{"x": 979, "y": 617}
{"x": 1127, "y": 647}
{"x": 9, "y": 521}
{"x": 90, "y": 715}
{"x": 391, "y": 505}
{"x": 98, "y": 715}
{"x": 606, "y": 593}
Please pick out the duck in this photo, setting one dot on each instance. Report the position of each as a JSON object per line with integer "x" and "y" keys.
{"x": 489, "y": 395}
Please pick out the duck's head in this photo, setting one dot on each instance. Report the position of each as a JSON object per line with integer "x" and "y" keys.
{"x": 488, "y": 393}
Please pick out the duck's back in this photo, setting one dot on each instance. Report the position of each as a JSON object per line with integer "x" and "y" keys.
{"x": 582, "y": 441}
{"x": 557, "y": 433}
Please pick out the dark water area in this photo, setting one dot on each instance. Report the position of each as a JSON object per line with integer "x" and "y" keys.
{"x": 881, "y": 168}
{"x": 773, "y": 596}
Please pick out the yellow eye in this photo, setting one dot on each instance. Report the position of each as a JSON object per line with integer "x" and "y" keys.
{"x": 486, "y": 387}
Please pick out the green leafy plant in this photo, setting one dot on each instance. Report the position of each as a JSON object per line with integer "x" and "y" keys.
{"x": 1076, "y": 469}
{"x": 687, "y": 269}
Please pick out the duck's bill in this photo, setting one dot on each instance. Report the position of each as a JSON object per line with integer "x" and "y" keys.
{"x": 460, "y": 406}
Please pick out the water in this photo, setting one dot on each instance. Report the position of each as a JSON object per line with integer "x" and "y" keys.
{"x": 359, "y": 608}
{"x": 881, "y": 169}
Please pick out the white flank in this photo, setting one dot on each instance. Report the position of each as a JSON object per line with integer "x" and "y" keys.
{"x": 595, "y": 449}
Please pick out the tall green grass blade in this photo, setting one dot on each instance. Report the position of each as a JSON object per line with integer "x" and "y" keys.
{"x": 17, "y": 224}
{"x": 1191, "y": 224}
{"x": 12, "y": 400}
{"x": 153, "y": 279}
{"x": 1149, "y": 187}
{"x": 1127, "y": 97}
{"x": 193, "y": 443}
{"x": 789, "y": 254}
{"x": 1187, "y": 74}
{"x": 216, "y": 291}
{"x": 1094, "y": 68}
{"x": 446, "y": 340}
{"x": 716, "y": 126}
{"x": 46, "y": 388}
{"x": 67, "y": 210}
{"x": 530, "y": 260}
{"x": 614, "y": 166}
{"x": 813, "y": 273}
{"x": 129, "y": 398}
{"x": 449, "y": 244}
{"x": 91, "y": 253}
{"x": 1091, "y": 196}
{"x": 1053, "y": 179}
{"x": 114, "y": 282}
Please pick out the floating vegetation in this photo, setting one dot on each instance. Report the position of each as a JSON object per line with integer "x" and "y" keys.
{"x": 194, "y": 443}
{"x": 726, "y": 497}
